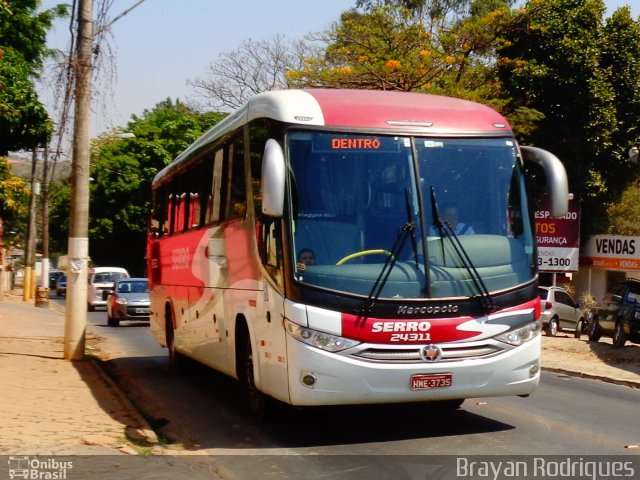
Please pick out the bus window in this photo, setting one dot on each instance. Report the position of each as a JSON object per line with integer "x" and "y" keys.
{"x": 237, "y": 206}
{"x": 215, "y": 187}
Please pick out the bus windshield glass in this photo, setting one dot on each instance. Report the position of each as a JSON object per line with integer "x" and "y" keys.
{"x": 369, "y": 212}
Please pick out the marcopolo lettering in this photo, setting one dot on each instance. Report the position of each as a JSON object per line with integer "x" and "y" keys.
{"x": 616, "y": 246}
{"x": 427, "y": 309}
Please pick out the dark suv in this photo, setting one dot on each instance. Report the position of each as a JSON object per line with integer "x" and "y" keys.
{"x": 619, "y": 315}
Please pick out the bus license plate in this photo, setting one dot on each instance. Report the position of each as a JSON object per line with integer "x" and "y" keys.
{"x": 427, "y": 382}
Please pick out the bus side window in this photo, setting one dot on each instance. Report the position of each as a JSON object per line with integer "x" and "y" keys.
{"x": 158, "y": 212}
{"x": 237, "y": 206}
{"x": 268, "y": 230}
{"x": 214, "y": 195}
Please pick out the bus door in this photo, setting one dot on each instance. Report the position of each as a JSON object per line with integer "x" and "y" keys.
{"x": 207, "y": 330}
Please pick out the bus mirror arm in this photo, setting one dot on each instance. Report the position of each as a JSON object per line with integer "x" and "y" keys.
{"x": 273, "y": 179}
{"x": 556, "y": 177}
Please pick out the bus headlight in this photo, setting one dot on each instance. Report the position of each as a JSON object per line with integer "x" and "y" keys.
{"x": 520, "y": 335}
{"x": 315, "y": 338}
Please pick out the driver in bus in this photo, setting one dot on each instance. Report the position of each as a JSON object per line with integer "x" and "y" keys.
{"x": 449, "y": 214}
{"x": 305, "y": 257}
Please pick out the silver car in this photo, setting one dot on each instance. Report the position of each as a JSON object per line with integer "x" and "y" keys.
{"x": 129, "y": 300}
{"x": 560, "y": 312}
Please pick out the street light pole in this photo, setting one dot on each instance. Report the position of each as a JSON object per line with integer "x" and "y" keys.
{"x": 78, "y": 247}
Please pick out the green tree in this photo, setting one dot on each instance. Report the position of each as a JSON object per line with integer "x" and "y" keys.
{"x": 566, "y": 62}
{"x": 14, "y": 193}
{"x": 122, "y": 171}
{"x": 435, "y": 47}
{"x": 24, "y": 122}
{"x": 624, "y": 215}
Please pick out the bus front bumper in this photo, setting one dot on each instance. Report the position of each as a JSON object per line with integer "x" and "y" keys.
{"x": 317, "y": 377}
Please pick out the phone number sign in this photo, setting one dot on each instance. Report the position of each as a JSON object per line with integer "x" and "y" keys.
{"x": 558, "y": 240}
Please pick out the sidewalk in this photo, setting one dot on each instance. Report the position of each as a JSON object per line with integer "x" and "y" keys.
{"x": 50, "y": 406}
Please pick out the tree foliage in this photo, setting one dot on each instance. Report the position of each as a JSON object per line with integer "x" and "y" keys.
{"x": 624, "y": 215}
{"x": 122, "y": 171}
{"x": 434, "y": 47}
{"x": 13, "y": 193}
{"x": 254, "y": 67}
{"x": 24, "y": 122}
{"x": 562, "y": 60}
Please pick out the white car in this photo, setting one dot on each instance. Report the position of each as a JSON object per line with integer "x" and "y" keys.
{"x": 100, "y": 280}
{"x": 560, "y": 312}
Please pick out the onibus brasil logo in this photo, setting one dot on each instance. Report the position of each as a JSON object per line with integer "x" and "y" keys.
{"x": 38, "y": 469}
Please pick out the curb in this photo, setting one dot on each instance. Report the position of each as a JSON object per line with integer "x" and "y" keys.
{"x": 602, "y": 378}
{"x": 143, "y": 433}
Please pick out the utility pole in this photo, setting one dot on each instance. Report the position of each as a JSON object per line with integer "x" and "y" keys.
{"x": 28, "y": 285}
{"x": 45, "y": 218}
{"x": 78, "y": 247}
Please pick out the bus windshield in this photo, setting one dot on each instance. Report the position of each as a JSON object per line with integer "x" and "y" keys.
{"x": 369, "y": 212}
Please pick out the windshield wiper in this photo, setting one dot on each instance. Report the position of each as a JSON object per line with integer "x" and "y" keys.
{"x": 405, "y": 231}
{"x": 446, "y": 230}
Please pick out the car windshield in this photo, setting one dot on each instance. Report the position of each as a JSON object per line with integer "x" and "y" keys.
{"x": 366, "y": 208}
{"x": 133, "y": 287}
{"x": 107, "y": 277}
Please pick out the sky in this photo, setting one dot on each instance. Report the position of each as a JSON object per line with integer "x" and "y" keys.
{"x": 162, "y": 44}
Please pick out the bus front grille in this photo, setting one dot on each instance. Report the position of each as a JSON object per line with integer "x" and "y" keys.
{"x": 412, "y": 355}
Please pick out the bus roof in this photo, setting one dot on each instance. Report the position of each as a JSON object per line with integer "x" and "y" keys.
{"x": 415, "y": 113}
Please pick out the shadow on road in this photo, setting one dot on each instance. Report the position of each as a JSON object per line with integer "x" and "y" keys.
{"x": 202, "y": 409}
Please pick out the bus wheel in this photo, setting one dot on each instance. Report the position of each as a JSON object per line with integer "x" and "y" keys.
{"x": 257, "y": 401}
{"x": 174, "y": 356}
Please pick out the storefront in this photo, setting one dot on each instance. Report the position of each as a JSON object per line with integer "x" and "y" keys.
{"x": 606, "y": 260}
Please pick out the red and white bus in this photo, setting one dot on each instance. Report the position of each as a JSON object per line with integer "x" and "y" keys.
{"x": 306, "y": 246}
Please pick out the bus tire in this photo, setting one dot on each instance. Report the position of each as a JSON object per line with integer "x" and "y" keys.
{"x": 174, "y": 356}
{"x": 254, "y": 399}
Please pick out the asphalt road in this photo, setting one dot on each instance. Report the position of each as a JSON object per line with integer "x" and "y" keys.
{"x": 200, "y": 410}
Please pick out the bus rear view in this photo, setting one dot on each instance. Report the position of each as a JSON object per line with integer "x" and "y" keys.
{"x": 389, "y": 252}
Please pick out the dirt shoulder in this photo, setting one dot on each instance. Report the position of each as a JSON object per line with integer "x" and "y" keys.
{"x": 599, "y": 360}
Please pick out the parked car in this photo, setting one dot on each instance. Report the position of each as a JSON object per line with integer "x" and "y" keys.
{"x": 618, "y": 315}
{"x": 101, "y": 279}
{"x": 128, "y": 300}
{"x": 61, "y": 286}
{"x": 54, "y": 274}
{"x": 560, "y": 312}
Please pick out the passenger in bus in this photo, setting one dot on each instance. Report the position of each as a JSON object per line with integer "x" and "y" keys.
{"x": 449, "y": 214}
{"x": 305, "y": 257}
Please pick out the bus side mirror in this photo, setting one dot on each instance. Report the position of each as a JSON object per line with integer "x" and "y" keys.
{"x": 556, "y": 177}
{"x": 273, "y": 179}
